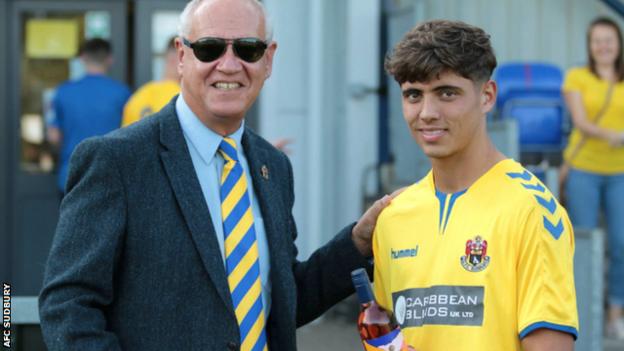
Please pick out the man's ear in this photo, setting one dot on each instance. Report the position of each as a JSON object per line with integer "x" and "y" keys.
{"x": 488, "y": 96}
{"x": 180, "y": 53}
{"x": 269, "y": 58}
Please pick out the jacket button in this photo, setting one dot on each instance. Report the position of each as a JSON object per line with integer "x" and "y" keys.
{"x": 232, "y": 346}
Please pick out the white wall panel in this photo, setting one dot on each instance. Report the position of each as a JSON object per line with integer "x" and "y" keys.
{"x": 359, "y": 134}
{"x": 285, "y": 108}
{"x": 324, "y": 46}
{"x": 553, "y": 31}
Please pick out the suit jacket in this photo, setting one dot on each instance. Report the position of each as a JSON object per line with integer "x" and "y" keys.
{"x": 135, "y": 263}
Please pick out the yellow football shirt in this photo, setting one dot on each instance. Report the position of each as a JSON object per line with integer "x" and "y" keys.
{"x": 148, "y": 100}
{"x": 596, "y": 155}
{"x": 480, "y": 268}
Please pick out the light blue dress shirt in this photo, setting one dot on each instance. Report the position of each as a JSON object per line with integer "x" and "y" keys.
{"x": 203, "y": 144}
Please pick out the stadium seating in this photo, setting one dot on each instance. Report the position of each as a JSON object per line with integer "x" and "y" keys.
{"x": 530, "y": 93}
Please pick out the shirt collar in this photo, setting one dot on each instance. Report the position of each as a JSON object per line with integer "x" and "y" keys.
{"x": 203, "y": 139}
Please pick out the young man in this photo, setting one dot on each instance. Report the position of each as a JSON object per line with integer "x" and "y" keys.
{"x": 478, "y": 253}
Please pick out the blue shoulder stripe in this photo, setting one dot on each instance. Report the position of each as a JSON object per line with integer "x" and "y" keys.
{"x": 554, "y": 229}
{"x": 536, "y": 187}
{"x": 551, "y": 205}
{"x": 524, "y": 175}
{"x": 548, "y": 202}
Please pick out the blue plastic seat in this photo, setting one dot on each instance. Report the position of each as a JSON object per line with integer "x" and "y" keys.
{"x": 530, "y": 93}
{"x": 540, "y": 123}
{"x": 527, "y": 80}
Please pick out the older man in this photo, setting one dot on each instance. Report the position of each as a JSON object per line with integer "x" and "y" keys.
{"x": 176, "y": 233}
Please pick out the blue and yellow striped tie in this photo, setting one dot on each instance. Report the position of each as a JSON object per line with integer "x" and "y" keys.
{"x": 241, "y": 251}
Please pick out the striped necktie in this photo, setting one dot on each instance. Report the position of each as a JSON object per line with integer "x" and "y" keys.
{"x": 241, "y": 251}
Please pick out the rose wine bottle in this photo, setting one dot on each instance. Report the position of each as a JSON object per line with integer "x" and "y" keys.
{"x": 378, "y": 329}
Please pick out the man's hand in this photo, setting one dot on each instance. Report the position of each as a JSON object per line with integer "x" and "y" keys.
{"x": 362, "y": 233}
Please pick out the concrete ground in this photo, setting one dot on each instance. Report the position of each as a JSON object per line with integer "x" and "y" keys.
{"x": 329, "y": 334}
{"x": 338, "y": 332}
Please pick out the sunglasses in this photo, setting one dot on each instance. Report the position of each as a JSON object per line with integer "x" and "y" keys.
{"x": 209, "y": 49}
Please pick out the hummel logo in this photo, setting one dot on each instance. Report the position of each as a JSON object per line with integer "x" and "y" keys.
{"x": 404, "y": 253}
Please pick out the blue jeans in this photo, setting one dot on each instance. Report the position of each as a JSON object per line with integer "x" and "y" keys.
{"x": 587, "y": 193}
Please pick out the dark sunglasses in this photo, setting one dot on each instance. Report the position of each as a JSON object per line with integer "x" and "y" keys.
{"x": 209, "y": 49}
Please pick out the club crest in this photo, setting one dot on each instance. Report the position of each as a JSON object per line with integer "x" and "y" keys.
{"x": 475, "y": 258}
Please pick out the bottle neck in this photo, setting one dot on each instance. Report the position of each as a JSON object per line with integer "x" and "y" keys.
{"x": 365, "y": 293}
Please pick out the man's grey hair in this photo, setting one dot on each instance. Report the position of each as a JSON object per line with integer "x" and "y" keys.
{"x": 184, "y": 27}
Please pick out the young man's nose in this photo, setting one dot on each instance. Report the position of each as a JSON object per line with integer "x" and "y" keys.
{"x": 429, "y": 109}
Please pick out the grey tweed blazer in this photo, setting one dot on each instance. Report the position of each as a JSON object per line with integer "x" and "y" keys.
{"x": 135, "y": 263}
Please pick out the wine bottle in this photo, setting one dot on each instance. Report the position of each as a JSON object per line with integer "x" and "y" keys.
{"x": 378, "y": 329}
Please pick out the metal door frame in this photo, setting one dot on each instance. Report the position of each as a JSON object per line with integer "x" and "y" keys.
{"x": 143, "y": 29}
{"x": 22, "y": 185}
{"x": 118, "y": 33}
{"x": 5, "y": 237}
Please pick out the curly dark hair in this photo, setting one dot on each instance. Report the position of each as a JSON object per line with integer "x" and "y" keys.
{"x": 438, "y": 46}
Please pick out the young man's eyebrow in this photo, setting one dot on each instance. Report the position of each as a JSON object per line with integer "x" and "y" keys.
{"x": 447, "y": 87}
{"x": 410, "y": 91}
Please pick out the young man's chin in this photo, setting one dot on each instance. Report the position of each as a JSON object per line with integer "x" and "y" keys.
{"x": 433, "y": 151}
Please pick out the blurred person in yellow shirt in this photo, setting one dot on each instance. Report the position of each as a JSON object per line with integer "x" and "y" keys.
{"x": 154, "y": 95}
{"x": 594, "y": 95}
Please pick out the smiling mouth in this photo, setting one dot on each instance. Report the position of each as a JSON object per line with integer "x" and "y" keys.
{"x": 432, "y": 135}
{"x": 432, "y": 132}
{"x": 226, "y": 86}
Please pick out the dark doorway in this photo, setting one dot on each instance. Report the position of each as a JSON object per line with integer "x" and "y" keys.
{"x": 41, "y": 54}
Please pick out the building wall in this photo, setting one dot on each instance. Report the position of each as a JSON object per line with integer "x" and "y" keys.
{"x": 546, "y": 30}
{"x": 320, "y": 54}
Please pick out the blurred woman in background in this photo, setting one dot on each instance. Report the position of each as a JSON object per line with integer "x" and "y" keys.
{"x": 594, "y": 95}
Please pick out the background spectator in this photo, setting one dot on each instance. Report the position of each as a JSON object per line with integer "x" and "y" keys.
{"x": 594, "y": 95}
{"x": 86, "y": 107}
{"x": 154, "y": 95}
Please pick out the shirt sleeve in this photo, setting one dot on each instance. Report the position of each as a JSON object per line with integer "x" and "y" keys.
{"x": 573, "y": 81}
{"x": 546, "y": 292}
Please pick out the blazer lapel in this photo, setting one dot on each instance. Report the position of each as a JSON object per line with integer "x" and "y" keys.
{"x": 268, "y": 193}
{"x": 179, "y": 168}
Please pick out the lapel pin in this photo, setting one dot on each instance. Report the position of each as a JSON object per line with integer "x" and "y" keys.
{"x": 265, "y": 172}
